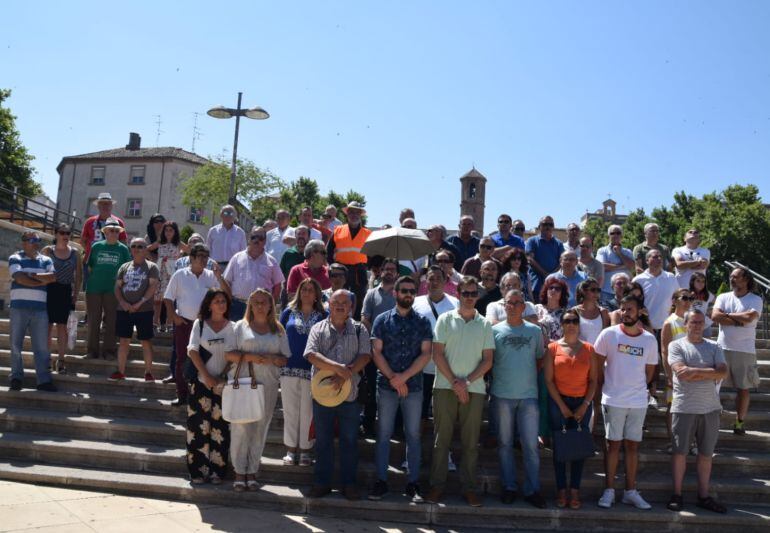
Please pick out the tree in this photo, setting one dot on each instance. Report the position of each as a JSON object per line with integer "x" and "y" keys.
{"x": 340, "y": 201}
{"x": 209, "y": 186}
{"x": 596, "y": 228}
{"x": 16, "y": 168}
{"x": 185, "y": 232}
{"x": 633, "y": 228}
{"x": 299, "y": 194}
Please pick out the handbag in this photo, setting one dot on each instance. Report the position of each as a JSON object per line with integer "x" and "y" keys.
{"x": 243, "y": 399}
{"x": 572, "y": 444}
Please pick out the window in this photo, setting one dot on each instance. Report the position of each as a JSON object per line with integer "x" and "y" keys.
{"x": 97, "y": 175}
{"x": 472, "y": 192}
{"x": 137, "y": 175}
{"x": 134, "y": 208}
{"x": 196, "y": 214}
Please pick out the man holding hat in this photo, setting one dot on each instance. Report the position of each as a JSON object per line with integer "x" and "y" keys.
{"x": 338, "y": 349}
{"x": 105, "y": 259}
{"x": 344, "y": 247}
{"x": 30, "y": 273}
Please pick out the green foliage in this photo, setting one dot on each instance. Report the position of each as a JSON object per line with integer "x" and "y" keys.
{"x": 597, "y": 229}
{"x": 633, "y": 228}
{"x": 209, "y": 186}
{"x": 342, "y": 200}
{"x": 185, "y": 232}
{"x": 15, "y": 161}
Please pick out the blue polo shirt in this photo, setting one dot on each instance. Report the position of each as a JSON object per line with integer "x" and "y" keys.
{"x": 547, "y": 255}
{"x": 512, "y": 240}
{"x": 402, "y": 337}
{"x": 572, "y": 283}
{"x": 23, "y": 297}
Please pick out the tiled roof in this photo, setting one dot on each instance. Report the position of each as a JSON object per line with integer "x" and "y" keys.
{"x": 142, "y": 153}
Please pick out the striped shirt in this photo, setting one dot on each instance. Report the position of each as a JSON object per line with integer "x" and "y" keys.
{"x": 23, "y": 297}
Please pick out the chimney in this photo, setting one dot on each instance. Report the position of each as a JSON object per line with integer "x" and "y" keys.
{"x": 134, "y": 141}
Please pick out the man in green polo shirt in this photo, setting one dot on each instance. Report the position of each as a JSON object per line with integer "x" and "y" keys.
{"x": 463, "y": 346}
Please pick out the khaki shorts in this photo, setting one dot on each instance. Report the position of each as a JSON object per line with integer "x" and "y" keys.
{"x": 622, "y": 423}
{"x": 705, "y": 429}
{"x": 744, "y": 373}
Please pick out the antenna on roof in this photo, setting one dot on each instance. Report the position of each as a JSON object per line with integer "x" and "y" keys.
{"x": 158, "y": 131}
{"x": 196, "y": 132}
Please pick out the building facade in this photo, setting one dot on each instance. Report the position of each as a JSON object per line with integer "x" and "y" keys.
{"x": 607, "y": 212}
{"x": 143, "y": 181}
{"x": 472, "y": 197}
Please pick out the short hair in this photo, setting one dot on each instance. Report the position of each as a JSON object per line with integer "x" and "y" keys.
{"x": 650, "y": 251}
{"x": 312, "y": 246}
{"x": 338, "y": 266}
{"x": 510, "y": 275}
{"x": 504, "y": 215}
{"x": 649, "y": 226}
{"x": 614, "y": 227}
{"x": 514, "y": 292}
{"x": 301, "y": 226}
{"x": 436, "y": 269}
{"x": 226, "y": 207}
{"x": 447, "y": 252}
{"x": 567, "y": 252}
{"x": 631, "y": 298}
{"x": 465, "y": 281}
{"x": 198, "y": 249}
{"x": 138, "y": 239}
{"x": 331, "y": 206}
{"x": 489, "y": 263}
{"x": 617, "y": 275}
{"x": 404, "y": 279}
{"x": 694, "y": 311}
{"x": 405, "y": 213}
{"x": 438, "y": 227}
{"x": 196, "y": 237}
{"x": 390, "y": 261}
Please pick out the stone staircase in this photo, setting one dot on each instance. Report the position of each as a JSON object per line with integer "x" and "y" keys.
{"x": 125, "y": 437}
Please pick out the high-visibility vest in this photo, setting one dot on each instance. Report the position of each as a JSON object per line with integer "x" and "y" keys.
{"x": 347, "y": 250}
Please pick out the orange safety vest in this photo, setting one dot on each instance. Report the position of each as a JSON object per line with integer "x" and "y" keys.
{"x": 347, "y": 250}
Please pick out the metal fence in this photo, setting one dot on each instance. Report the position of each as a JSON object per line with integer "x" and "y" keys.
{"x": 28, "y": 212}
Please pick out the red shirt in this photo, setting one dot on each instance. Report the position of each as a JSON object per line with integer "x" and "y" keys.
{"x": 302, "y": 271}
{"x": 92, "y": 232}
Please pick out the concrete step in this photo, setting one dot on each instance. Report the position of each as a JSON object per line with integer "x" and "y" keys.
{"x": 160, "y": 339}
{"x": 160, "y": 353}
{"x": 88, "y": 384}
{"x": 452, "y": 513}
{"x": 80, "y": 364}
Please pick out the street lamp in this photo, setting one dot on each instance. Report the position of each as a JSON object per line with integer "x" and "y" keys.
{"x": 256, "y": 113}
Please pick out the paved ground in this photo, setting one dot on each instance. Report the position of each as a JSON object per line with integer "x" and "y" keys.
{"x": 37, "y": 508}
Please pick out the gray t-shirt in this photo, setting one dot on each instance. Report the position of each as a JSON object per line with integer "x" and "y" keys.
{"x": 593, "y": 269}
{"x": 136, "y": 279}
{"x": 376, "y": 302}
{"x": 695, "y": 397}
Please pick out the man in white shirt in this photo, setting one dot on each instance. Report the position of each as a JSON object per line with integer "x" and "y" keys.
{"x": 184, "y": 294}
{"x": 630, "y": 355}
{"x": 737, "y": 314}
{"x": 305, "y": 219}
{"x": 331, "y": 213}
{"x": 275, "y": 245}
{"x": 250, "y": 270}
{"x": 225, "y": 239}
{"x": 659, "y": 287}
{"x": 690, "y": 258}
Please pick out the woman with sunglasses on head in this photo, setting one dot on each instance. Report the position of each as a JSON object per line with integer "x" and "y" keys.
{"x": 170, "y": 249}
{"x": 673, "y": 329}
{"x": 208, "y": 434}
{"x": 260, "y": 342}
{"x": 63, "y": 293}
{"x": 593, "y": 317}
{"x": 303, "y": 312}
{"x": 702, "y": 299}
{"x": 154, "y": 231}
{"x": 571, "y": 376}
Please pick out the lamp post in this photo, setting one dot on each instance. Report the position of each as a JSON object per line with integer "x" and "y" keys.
{"x": 256, "y": 113}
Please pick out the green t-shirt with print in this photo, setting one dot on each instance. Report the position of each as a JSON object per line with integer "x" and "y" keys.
{"x": 103, "y": 264}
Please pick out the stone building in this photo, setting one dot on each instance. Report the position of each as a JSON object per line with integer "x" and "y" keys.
{"x": 472, "y": 194}
{"x": 143, "y": 181}
{"x": 607, "y": 212}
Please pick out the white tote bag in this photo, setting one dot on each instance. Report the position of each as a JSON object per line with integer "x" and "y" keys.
{"x": 243, "y": 399}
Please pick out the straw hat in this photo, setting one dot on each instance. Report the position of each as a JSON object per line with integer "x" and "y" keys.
{"x": 357, "y": 206}
{"x": 323, "y": 391}
{"x": 104, "y": 197}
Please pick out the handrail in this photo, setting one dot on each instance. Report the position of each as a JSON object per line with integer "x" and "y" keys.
{"x": 759, "y": 279}
{"x": 26, "y": 211}
{"x": 762, "y": 282}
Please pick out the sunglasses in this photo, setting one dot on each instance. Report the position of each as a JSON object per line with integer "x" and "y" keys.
{"x": 64, "y": 232}
{"x": 616, "y": 233}
{"x": 337, "y": 275}
{"x": 513, "y": 304}
{"x": 227, "y": 214}
{"x": 486, "y": 247}
{"x": 573, "y": 321}
{"x": 546, "y": 225}
{"x": 256, "y": 238}
{"x": 519, "y": 228}
{"x": 503, "y": 221}
{"x": 554, "y": 288}
{"x": 469, "y": 294}
{"x": 687, "y": 298}
{"x": 407, "y": 291}
{"x": 444, "y": 261}
{"x": 138, "y": 246}
{"x": 596, "y": 290}
{"x": 33, "y": 240}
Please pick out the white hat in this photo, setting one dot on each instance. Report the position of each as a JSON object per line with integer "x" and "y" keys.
{"x": 104, "y": 197}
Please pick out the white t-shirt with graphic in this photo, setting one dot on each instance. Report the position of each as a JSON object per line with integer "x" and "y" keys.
{"x": 625, "y": 371}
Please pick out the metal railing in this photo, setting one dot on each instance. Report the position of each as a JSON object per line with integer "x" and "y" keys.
{"x": 763, "y": 284}
{"x": 28, "y": 212}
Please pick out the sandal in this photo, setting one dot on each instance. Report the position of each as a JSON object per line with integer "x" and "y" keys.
{"x": 252, "y": 485}
{"x": 710, "y": 504}
{"x": 676, "y": 503}
{"x": 574, "y": 502}
{"x": 561, "y": 499}
{"x": 239, "y": 486}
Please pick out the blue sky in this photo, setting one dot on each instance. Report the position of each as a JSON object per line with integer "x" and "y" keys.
{"x": 558, "y": 103}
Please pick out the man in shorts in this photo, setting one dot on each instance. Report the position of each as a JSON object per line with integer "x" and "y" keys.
{"x": 630, "y": 354}
{"x": 135, "y": 287}
{"x": 737, "y": 314}
{"x": 697, "y": 365}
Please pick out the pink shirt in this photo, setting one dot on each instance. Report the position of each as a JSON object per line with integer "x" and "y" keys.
{"x": 450, "y": 288}
{"x": 245, "y": 275}
{"x": 302, "y": 271}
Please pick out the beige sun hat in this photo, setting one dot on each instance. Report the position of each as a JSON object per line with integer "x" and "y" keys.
{"x": 323, "y": 391}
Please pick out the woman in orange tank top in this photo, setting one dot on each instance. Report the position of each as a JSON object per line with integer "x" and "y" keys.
{"x": 570, "y": 376}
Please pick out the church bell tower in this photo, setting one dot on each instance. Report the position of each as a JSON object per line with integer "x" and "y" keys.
{"x": 473, "y": 189}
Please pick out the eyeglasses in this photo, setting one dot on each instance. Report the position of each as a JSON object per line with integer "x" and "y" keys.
{"x": 469, "y": 294}
{"x": 554, "y": 288}
{"x": 407, "y": 291}
{"x": 138, "y": 246}
{"x": 486, "y": 246}
{"x": 256, "y": 238}
{"x": 573, "y": 321}
{"x": 513, "y": 304}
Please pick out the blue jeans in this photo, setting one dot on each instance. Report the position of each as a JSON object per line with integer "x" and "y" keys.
{"x": 237, "y": 310}
{"x": 323, "y": 419}
{"x": 411, "y": 409}
{"x": 560, "y": 467}
{"x": 524, "y": 415}
{"x": 37, "y": 322}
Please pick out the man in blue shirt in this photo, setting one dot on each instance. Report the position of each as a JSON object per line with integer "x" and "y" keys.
{"x": 30, "y": 272}
{"x": 467, "y": 245}
{"x": 401, "y": 347}
{"x": 505, "y": 240}
{"x": 518, "y": 355}
{"x": 543, "y": 252}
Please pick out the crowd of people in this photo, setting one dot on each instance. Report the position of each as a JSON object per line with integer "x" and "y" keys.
{"x": 542, "y": 333}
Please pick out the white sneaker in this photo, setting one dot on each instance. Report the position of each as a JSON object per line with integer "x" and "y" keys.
{"x": 607, "y": 499}
{"x": 289, "y": 459}
{"x": 632, "y": 497}
{"x": 451, "y": 466}
{"x": 652, "y": 403}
